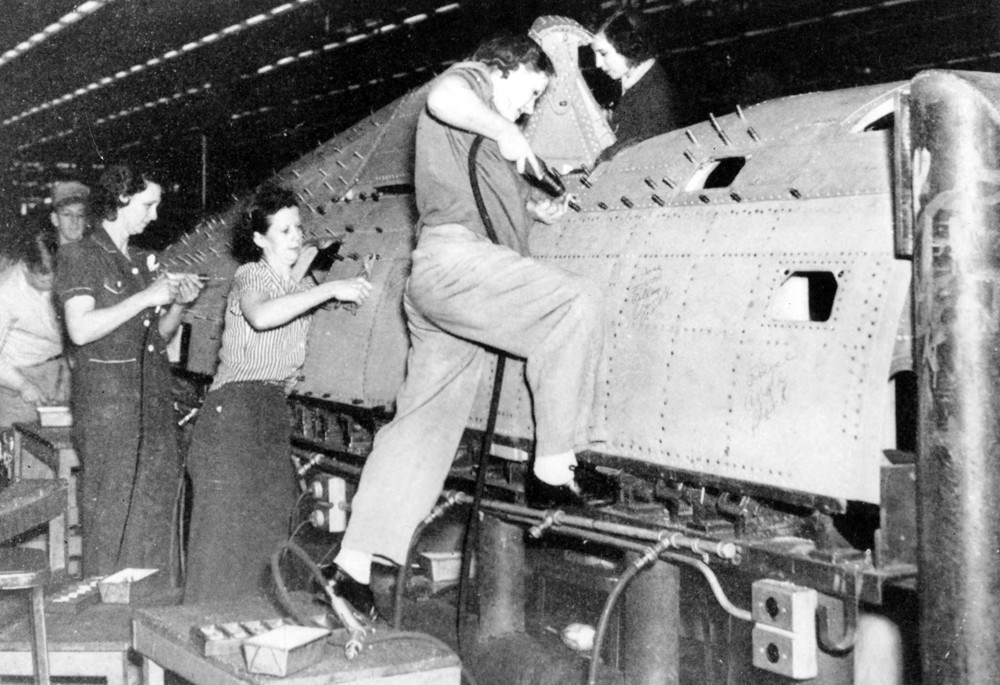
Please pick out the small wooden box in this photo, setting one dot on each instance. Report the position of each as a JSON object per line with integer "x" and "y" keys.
{"x": 441, "y": 567}
{"x": 55, "y": 416}
{"x": 125, "y": 585}
{"x": 284, "y": 650}
{"x": 227, "y": 638}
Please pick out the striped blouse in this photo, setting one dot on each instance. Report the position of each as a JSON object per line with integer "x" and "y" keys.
{"x": 274, "y": 355}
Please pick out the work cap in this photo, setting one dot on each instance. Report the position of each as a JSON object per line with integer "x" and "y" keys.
{"x": 68, "y": 192}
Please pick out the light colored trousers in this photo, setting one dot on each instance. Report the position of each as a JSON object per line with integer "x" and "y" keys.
{"x": 464, "y": 293}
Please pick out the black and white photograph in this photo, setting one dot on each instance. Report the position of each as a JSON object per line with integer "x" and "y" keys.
{"x": 500, "y": 342}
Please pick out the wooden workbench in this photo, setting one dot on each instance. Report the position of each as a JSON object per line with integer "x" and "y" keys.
{"x": 163, "y": 638}
{"x": 93, "y": 643}
{"x": 26, "y": 504}
{"x": 47, "y": 452}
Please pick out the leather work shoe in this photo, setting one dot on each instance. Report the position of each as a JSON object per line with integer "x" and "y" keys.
{"x": 358, "y": 595}
{"x": 589, "y": 488}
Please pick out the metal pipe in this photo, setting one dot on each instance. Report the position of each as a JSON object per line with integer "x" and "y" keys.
{"x": 204, "y": 171}
{"x": 699, "y": 565}
{"x": 955, "y": 128}
{"x": 501, "y": 579}
{"x": 720, "y": 548}
{"x": 651, "y": 651}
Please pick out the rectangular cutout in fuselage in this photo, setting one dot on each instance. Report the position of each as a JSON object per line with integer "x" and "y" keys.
{"x": 805, "y": 296}
{"x": 718, "y": 173}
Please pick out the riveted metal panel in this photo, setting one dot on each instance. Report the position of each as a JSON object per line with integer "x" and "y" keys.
{"x": 703, "y": 377}
{"x": 357, "y": 355}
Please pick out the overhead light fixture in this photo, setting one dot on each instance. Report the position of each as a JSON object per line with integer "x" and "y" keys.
{"x": 350, "y": 40}
{"x": 165, "y": 100}
{"x": 170, "y": 54}
{"x": 306, "y": 54}
{"x": 52, "y": 29}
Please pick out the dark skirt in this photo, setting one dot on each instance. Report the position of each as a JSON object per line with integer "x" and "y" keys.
{"x": 244, "y": 490}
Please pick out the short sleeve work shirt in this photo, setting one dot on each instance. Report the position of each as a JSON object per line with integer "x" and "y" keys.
{"x": 275, "y": 354}
{"x": 96, "y": 268}
{"x": 443, "y": 189}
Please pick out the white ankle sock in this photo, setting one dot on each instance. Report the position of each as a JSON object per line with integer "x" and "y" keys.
{"x": 357, "y": 565}
{"x": 555, "y": 469}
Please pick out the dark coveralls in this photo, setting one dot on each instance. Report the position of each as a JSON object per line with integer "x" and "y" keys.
{"x": 123, "y": 429}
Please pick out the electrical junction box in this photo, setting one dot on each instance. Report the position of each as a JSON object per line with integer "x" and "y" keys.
{"x": 330, "y": 506}
{"x": 784, "y": 632}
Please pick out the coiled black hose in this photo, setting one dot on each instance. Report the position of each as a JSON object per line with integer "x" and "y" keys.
{"x": 402, "y": 577}
{"x": 285, "y": 600}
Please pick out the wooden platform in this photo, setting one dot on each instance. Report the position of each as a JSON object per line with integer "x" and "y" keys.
{"x": 93, "y": 643}
{"x": 163, "y": 638}
{"x": 47, "y": 452}
{"x": 25, "y": 504}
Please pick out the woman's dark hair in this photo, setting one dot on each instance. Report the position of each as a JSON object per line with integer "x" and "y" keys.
{"x": 121, "y": 179}
{"x": 39, "y": 252}
{"x": 29, "y": 244}
{"x": 626, "y": 32}
{"x": 507, "y": 52}
{"x": 268, "y": 201}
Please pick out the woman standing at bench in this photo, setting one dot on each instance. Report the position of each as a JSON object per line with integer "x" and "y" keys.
{"x": 121, "y": 309}
{"x": 244, "y": 484}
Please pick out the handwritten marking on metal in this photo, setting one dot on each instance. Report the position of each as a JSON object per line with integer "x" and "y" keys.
{"x": 648, "y": 292}
{"x": 767, "y": 389}
{"x": 368, "y": 264}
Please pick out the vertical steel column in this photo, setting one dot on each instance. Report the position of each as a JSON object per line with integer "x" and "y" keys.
{"x": 651, "y": 649}
{"x": 500, "y": 573}
{"x": 956, "y": 170}
{"x": 204, "y": 171}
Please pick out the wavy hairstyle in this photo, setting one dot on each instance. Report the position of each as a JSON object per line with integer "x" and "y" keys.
{"x": 626, "y": 31}
{"x": 25, "y": 243}
{"x": 507, "y": 51}
{"x": 120, "y": 179}
{"x": 269, "y": 199}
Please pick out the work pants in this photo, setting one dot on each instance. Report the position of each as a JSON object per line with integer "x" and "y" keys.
{"x": 125, "y": 433}
{"x": 465, "y": 293}
{"x": 244, "y": 490}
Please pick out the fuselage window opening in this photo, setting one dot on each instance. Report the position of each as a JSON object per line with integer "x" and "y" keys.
{"x": 717, "y": 173}
{"x": 879, "y": 118}
{"x": 883, "y": 123}
{"x": 805, "y": 296}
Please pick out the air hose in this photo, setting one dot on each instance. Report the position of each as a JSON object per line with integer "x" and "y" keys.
{"x": 648, "y": 558}
{"x": 355, "y": 642}
{"x": 471, "y": 543}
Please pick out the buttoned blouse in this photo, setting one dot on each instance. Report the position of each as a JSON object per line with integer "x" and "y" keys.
{"x": 95, "y": 267}
{"x": 274, "y": 355}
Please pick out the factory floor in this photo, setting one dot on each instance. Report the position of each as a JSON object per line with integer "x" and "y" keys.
{"x": 427, "y": 610}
